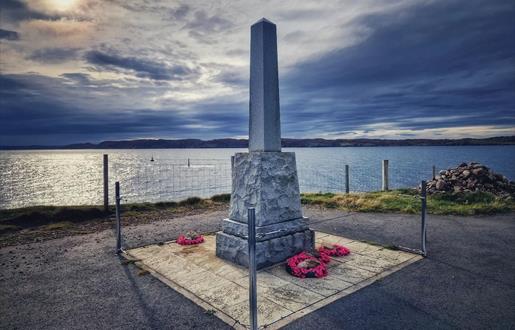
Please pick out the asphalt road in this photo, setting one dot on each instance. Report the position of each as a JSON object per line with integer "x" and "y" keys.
{"x": 467, "y": 281}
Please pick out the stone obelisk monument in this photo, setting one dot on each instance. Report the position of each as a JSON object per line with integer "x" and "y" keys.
{"x": 265, "y": 177}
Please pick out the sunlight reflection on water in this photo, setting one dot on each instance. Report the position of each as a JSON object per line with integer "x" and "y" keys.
{"x": 74, "y": 177}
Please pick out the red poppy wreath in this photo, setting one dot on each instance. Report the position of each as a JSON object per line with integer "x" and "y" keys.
{"x": 304, "y": 265}
{"x": 190, "y": 238}
{"x": 333, "y": 250}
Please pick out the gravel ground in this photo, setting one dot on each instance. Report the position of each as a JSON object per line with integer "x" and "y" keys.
{"x": 77, "y": 282}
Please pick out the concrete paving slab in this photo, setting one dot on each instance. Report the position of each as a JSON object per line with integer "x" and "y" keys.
{"x": 370, "y": 263}
{"x": 268, "y": 312}
{"x": 218, "y": 285}
{"x": 286, "y": 294}
{"x": 350, "y": 273}
{"x": 326, "y": 286}
{"x": 324, "y": 238}
{"x": 362, "y": 248}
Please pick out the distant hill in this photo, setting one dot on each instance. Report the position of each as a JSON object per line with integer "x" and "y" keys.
{"x": 243, "y": 143}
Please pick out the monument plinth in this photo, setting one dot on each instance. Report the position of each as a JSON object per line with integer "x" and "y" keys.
{"x": 264, "y": 178}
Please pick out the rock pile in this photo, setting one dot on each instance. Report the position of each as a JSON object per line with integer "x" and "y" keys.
{"x": 471, "y": 177}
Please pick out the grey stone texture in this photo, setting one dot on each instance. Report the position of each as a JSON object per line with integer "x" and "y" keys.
{"x": 269, "y": 252}
{"x": 267, "y": 181}
{"x": 264, "y": 119}
{"x": 264, "y": 233}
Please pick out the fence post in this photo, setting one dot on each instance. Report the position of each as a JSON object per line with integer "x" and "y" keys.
{"x": 347, "y": 179}
{"x": 385, "y": 175}
{"x": 434, "y": 172}
{"x": 423, "y": 197}
{"x": 252, "y": 268}
{"x": 106, "y": 183}
{"x": 118, "y": 221}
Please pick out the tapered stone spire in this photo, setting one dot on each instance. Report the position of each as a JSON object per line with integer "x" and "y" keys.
{"x": 265, "y": 122}
{"x": 264, "y": 178}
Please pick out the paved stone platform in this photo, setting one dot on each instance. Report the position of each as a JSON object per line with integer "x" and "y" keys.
{"x": 222, "y": 287}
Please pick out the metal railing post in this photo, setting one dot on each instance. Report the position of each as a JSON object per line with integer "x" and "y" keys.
{"x": 252, "y": 268}
{"x": 106, "y": 183}
{"x": 347, "y": 184}
{"x": 423, "y": 197}
{"x": 385, "y": 175}
{"x": 118, "y": 221}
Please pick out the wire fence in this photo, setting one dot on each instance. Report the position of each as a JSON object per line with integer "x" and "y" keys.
{"x": 172, "y": 180}
{"x": 78, "y": 180}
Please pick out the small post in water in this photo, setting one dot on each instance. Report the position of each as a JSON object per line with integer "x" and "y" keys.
{"x": 188, "y": 162}
{"x": 252, "y": 268}
{"x": 118, "y": 221}
{"x": 385, "y": 175}
{"x": 434, "y": 172}
{"x": 423, "y": 197}
{"x": 106, "y": 184}
{"x": 347, "y": 184}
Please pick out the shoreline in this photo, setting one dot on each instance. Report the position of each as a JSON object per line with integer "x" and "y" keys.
{"x": 39, "y": 223}
{"x": 286, "y": 143}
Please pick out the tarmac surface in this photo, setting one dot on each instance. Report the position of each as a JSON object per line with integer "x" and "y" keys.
{"x": 77, "y": 282}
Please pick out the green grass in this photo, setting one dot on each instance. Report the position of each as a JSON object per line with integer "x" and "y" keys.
{"x": 61, "y": 217}
{"x": 408, "y": 201}
{"x": 8, "y": 228}
{"x": 396, "y": 201}
{"x": 44, "y": 215}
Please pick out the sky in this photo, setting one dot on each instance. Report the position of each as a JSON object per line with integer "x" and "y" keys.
{"x": 91, "y": 70}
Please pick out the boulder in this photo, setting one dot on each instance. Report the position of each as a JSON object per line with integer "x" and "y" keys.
{"x": 440, "y": 185}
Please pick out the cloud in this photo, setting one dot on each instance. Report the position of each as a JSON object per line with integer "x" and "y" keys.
{"x": 9, "y": 35}
{"x": 113, "y": 69}
{"x": 54, "y": 55}
{"x": 43, "y": 110}
{"x": 180, "y": 12}
{"x": 142, "y": 67}
{"x": 15, "y": 11}
{"x": 202, "y": 22}
{"x": 421, "y": 63}
{"x": 60, "y": 33}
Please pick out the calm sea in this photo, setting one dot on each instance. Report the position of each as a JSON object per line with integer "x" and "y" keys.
{"x": 75, "y": 177}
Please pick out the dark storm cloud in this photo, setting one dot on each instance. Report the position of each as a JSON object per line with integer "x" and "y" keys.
{"x": 14, "y": 11}
{"x": 142, "y": 67}
{"x": 443, "y": 59}
{"x": 38, "y": 109}
{"x": 9, "y": 35}
{"x": 54, "y": 55}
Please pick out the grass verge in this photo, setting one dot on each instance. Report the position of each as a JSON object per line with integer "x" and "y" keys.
{"x": 408, "y": 201}
{"x": 52, "y": 218}
{"x": 63, "y": 217}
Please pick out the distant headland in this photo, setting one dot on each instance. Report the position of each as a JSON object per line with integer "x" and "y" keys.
{"x": 286, "y": 143}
